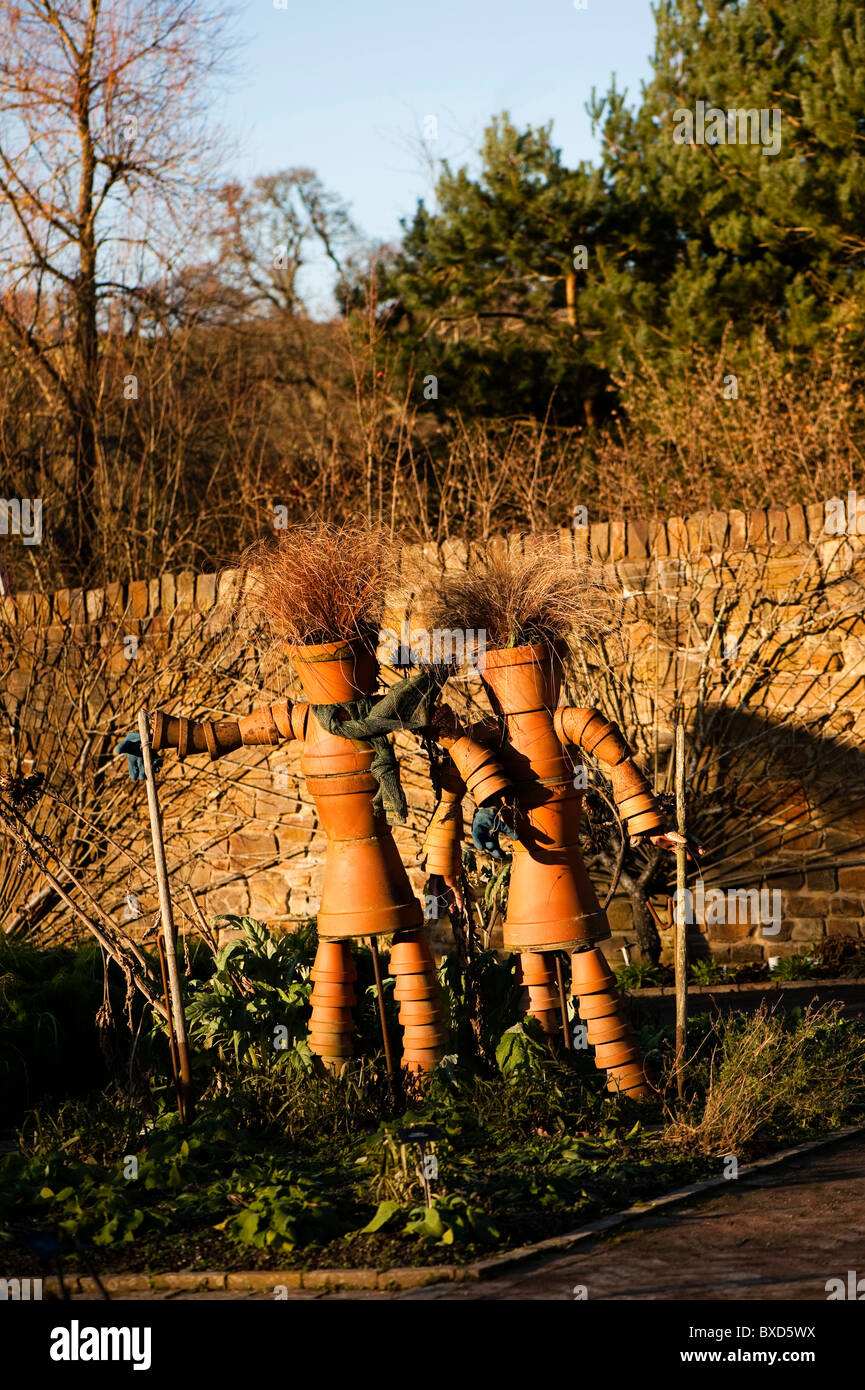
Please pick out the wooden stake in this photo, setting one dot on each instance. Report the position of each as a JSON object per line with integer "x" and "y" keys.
{"x": 563, "y": 1004}
{"x": 382, "y": 1014}
{"x": 167, "y": 921}
{"x": 172, "y": 1041}
{"x": 681, "y": 918}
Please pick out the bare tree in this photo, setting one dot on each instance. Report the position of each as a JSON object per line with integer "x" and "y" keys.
{"x": 104, "y": 149}
{"x": 268, "y": 231}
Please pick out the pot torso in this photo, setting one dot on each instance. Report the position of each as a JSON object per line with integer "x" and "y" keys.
{"x": 365, "y": 891}
{"x": 551, "y": 902}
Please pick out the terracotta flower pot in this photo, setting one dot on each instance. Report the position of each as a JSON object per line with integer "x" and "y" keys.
{"x": 535, "y": 968}
{"x": 331, "y": 1023}
{"x": 590, "y": 973}
{"x": 607, "y": 1030}
{"x": 551, "y": 901}
{"x": 422, "y": 1059}
{"x": 333, "y": 992}
{"x": 365, "y": 890}
{"x": 411, "y": 957}
{"x": 616, "y": 1054}
{"x": 326, "y": 1013}
{"x": 543, "y": 998}
{"x": 416, "y": 1011}
{"x": 423, "y": 1035}
{"x": 327, "y": 977}
{"x": 629, "y": 1080}
{"x": 335, "y": 1029}
{"x": 332, "y": 958}
{"x": 627, "y": 1074}
{"x": 537, "y": 974}
{"x": 415, "y": 987}
{"x": 522, "y": 679}
{"x": 332, "y": 673}
{"x": 592, "y": 1006}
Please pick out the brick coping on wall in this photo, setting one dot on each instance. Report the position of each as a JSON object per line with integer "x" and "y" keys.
{"x": 606, "y": 542}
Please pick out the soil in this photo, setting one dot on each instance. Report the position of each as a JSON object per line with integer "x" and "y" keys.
{"x": 780, "y": 1234}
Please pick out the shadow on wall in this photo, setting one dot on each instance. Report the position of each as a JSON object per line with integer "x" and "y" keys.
{"x": 780, "y": 811}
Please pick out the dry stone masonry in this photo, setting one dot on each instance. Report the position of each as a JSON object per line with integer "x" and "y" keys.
{"x": 759, "y": 614}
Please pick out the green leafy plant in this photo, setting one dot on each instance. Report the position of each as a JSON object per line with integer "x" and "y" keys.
{"x": 452, "y": 1220}
{"x": 793, "y": 968}
{"x": 638, "y": 974}
{"x": 253, "y": 1006}
{"x": 282, "y": 1216}
{"x": 707, "y": 972}
{"x": 519, "y": 1053}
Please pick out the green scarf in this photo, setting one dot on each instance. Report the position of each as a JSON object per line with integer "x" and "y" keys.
{"x": 407, "y": 705}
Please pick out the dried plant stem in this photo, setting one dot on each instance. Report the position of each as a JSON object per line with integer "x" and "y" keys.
{"x": 118, "y": 945}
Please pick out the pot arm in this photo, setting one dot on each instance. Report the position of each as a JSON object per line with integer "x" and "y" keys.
{"x": 270, "y": 725}
{"x": 636, "y": 802}
{"x": 479, "y": 769}
{"x": 442, "y": 846}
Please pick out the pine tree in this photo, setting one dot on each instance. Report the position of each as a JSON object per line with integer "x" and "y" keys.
{"x": 761, "y": 237}
{"x": 487, "y": 286}
{"x": 734, "y": 233}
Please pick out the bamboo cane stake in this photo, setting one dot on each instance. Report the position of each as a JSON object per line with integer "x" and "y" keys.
{"x": 681, "y": 964}
{"x": 172, "y": 1041}
{"x": 382, "y": 1013}
{"x": 167, "y": 919}
{"x": 563, "y": 1005}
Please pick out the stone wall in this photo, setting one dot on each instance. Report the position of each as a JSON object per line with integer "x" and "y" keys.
{"x": 766, "y": 594}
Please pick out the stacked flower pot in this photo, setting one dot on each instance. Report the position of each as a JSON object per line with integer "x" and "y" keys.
{"x": 333, "y": 998}
{"x": 417, "y": 992}
{"x": 601, "y": 1008}
{"x": 538, "y": 976}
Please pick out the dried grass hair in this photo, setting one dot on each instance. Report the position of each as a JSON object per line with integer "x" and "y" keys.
{"x": 520, "y": 596}
{"x": 320, "y": 582}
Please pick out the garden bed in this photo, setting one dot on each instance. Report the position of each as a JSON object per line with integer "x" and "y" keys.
{"x": 289, "y": 1171}
{"x": 275, "y": 1281}
{"x": 749, "y": 995}
{"x": 283, "y": 1168}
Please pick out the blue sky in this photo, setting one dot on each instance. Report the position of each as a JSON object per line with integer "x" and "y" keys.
{"x": 344, "y": 88}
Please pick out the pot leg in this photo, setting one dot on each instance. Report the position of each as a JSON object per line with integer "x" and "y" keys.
{"x": 538, "y": 974}
{"x": 417, "y": 991}
{"x": 609, "y": 1033}
{"x": 331, "y": 1026}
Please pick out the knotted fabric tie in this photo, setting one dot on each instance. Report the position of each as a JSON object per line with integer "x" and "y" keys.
{"x": 408, "y": 705}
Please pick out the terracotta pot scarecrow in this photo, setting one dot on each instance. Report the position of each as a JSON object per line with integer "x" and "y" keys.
{"x": 352, "y": 777}
{"x": 552, "y": 905}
